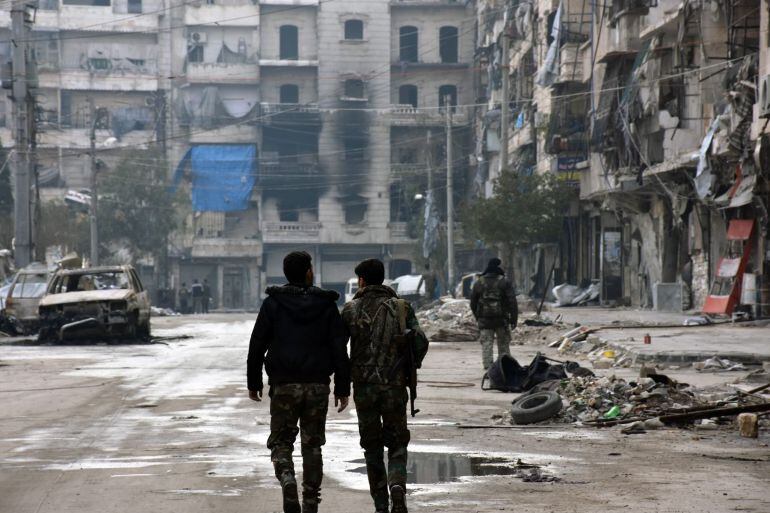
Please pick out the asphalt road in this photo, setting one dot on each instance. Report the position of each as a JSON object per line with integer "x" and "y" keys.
{"x": 168, "y": 427}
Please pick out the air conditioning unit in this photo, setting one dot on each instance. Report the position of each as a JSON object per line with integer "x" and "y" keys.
{"x": 197, "y": 37}
{"x": 764, "y": 96}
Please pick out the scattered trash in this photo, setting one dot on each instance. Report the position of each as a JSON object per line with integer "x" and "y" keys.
{"x": 613, "y": 413}
{"x": 697, "y": 321}
{"x": 507, "y": 375}
{"x": 163, "y": 312}
{"x": 635, "y": 428}
{"x": 717, "y": 364}
{"x": 706, "y": 425}
{"x": 571, "y": 295}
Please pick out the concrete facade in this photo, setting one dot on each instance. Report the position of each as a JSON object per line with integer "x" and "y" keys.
{"x": 636, "y": 88}
{"x": 313, "y": 85}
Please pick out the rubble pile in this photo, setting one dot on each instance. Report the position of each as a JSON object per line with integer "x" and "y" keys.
{"x": 597, "y": 351}
{"x": 591, "y": 398}
{"x": 449, "y": 320}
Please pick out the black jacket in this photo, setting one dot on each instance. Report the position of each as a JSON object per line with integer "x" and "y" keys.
{"x": 301, "y": 331}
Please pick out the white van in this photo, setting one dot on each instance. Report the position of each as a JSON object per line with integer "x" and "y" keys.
{"x": 351, "y": 287}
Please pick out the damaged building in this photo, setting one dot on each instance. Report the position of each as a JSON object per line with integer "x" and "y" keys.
{"x": 655, "y": 110}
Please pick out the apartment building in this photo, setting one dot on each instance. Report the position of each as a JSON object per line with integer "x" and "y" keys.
{"x": 650, "y": 107}
{"x": 312, "y": 107}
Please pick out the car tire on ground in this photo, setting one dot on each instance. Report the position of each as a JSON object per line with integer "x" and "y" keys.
{"x": 536, "y": 407}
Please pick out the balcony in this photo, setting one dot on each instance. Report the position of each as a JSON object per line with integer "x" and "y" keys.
{"x": 223, "y": 247}
{"x": 276, "y": 232}
{"x": 297, "y": 3}
{"x": 399, "y": 232}
{"x": 407, "y": 115}
{"x": 289, "y": 63}
{"x": 410, "y": 169}
{"x": 96, "y": 19}
{"x": 275, "y": 170}
{"x": 288, "y": 114}
{"x": 222, "y": 73}
{"x": 620, "y": 38}
{"x": 244, "y": 14}
{"x": 78, "y": 79}
{"x": 571, "y": 64}
{"x": 80, "y": 138}
{"x": 236, "y": 133}
{"x": 427, "y": 3}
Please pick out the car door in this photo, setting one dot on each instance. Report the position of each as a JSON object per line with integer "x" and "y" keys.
{"x": 142, "y": 297}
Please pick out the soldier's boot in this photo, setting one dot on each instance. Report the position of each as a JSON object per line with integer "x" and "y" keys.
{"x": 398, "y": 499}
{"x": 289, "y": 490}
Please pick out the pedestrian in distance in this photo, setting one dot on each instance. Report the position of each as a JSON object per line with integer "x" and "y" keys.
{"x": 384, "y": 335}
{"x": 206, "y": 296}
{"x": 300, "y": 338}
{"x": 493, "y": 302}
{"x": 184, "y": 299}
{"x": 197, "y": 296}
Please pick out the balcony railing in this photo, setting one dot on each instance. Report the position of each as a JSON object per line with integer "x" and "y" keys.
{"x": 409, "y": 115}
{"x": 290, "y": 231}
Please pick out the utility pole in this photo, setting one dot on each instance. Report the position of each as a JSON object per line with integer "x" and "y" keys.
{"x": 94, "y": 195}
{"x": 450, "y": 207}
{"x": 505, "y": 114}
{"x": 23, "y": 115}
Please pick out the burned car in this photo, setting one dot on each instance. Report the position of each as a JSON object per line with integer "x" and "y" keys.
{"x": 95, "y": 303}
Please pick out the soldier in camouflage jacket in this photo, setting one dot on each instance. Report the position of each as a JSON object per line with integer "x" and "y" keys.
{"x": 379, "y": 386}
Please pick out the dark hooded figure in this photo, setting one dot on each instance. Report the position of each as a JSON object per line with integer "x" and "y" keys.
{"x": 300, "y": 337}
{"x": 493, "y": 302}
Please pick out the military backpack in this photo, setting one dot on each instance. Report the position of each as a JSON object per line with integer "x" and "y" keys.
{"x": 492, "y": 300}
{"x": 376, "y": 354}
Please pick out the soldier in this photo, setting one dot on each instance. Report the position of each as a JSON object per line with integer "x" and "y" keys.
{"x": 300, "y": 328}
{"x": 373, "y": 318}
{"x": 493, "y": 303}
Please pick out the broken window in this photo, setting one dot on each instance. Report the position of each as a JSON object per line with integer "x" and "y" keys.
{"x": 90, "y": 3}
{"x": 448, "y": 44}
{"x": 99, "y": 64}
{"x": 134, "y": 6}
{"x": 447, "y": 94}
{"x": 407, "y": 95}
{"x": 48, "y": 5}
{"x": 408, "y": 41}
{"x": 354, "y": 88}
{"x": 45, "y": 52}
{"x": 355, "y": 148}
{"x": 290, "y": 93}
{"x": 195, "y": 52}
{"x": 354, "y": 30}
{"x": 289, "y": 42}
{"x": 355, "y": 209}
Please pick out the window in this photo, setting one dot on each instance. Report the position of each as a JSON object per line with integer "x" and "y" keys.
{"x": 355, "y": 148}
{"x": 407, "y": 41}
{"x": 135, "y": 6}
{"x": 48, "y": 5}
{"x": 355, "y": 209}
{"x": 289, "y": 42}
{"x": 354, "y": 30}
{"x": 195, "y": 53}
{"x": 99, "y": 64}
{"x": 289, "y": 93}
{"x": 447, "y": 92}
{"x": 407, "y": 95}
{"x": 448, "y": 42}
{"x": 354, "y": 88}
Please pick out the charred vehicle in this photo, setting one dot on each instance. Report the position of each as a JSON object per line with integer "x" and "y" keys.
{"x": 101, "y": 302}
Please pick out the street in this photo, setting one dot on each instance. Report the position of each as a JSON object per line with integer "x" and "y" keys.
{"x": 169, "y": 427}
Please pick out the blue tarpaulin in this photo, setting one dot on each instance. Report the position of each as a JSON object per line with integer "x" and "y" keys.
{"x": 223, "y": 176}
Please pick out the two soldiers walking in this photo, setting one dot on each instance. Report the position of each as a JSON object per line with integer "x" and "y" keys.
{"x": 301, "y": 339}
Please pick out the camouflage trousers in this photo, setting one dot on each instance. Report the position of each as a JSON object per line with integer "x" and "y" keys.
{"x": 382, "y": 423}
{"x": 488, "y": 340}
{"x": 306, "y": 403}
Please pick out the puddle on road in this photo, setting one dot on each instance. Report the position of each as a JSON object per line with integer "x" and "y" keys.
{"x": 432, "y": 468}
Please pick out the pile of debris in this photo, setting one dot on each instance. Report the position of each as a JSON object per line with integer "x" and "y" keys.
{"x": 449, "y": 320}
{"x": 589, "y": 399}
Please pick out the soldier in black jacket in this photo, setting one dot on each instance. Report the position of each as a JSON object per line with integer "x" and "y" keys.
{"x": 300, "y": 329}
{"x": 493, "y": 302}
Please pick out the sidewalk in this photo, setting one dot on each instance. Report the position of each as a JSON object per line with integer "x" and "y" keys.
{"x": 672, "y": 342}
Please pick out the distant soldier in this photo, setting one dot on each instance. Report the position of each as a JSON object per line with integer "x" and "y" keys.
{"x": 206, "y": 296}
{"x": 184, "y": 299}
{"x": 493, "y": 302}
{"x": 431, "y": 283}
{"x": 374, "y": 318}
{"x": 300, "y": 329}
{"x": 197, "y": 296}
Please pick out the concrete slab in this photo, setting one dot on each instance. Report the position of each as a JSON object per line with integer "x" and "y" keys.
{"x": 693, "y": 344}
